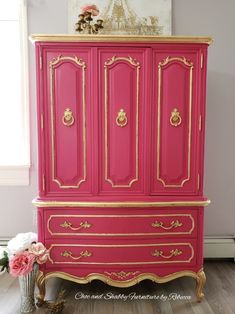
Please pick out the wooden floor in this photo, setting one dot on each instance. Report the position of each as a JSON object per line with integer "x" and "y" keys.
{"x": 175, "y": 297}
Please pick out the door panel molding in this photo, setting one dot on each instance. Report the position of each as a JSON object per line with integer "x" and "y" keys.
{"x": 53, "y": 65}
{"x": 110, "y": 62}
{"x": 165, "y": 64}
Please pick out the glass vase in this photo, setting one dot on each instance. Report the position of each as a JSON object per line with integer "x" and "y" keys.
{"x": 27, "y": 286}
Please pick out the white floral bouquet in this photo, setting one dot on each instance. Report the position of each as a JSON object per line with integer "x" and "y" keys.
{"x": 21, "y": 253}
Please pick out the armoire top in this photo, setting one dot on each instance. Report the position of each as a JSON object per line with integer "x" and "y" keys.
{"x": 119, "y": 38}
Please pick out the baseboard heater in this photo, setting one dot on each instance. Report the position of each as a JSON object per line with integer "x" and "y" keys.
{"x": 214, "y": 247}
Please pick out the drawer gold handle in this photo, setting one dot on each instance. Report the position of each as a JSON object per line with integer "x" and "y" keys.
{"x": 68, "y": 118}
{"x": 173, "y": 224}
{"x": 82, "y": 254}
{"x": 175, "y": 118}
{"x": 175, "y": 252}
{"x": 69, "y": 225}
{"x": 121, "y": 119}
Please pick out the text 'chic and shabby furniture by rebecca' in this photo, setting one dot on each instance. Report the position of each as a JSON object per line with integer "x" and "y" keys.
{"x": 121, "y": 126}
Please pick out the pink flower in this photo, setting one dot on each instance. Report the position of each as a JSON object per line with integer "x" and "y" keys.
{"x": 92, "y": 8}
{"x": 40, "y": 253}
{"x": 21, "y": 264}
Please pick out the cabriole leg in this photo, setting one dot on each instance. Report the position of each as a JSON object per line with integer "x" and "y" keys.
{"x": 201, "y": 280}
{"x": 42, "y": 289}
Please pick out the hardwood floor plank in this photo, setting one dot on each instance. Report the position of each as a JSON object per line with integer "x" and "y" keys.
{"x": 215, "y": 294}
{"x": 189, "y": 286}
{"x": 10, "y": 301}
{"x": 175, "y": 293}
{"x": 99, "y": 298}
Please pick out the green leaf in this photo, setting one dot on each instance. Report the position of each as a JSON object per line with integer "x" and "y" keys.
{"x": 4, "y": 262}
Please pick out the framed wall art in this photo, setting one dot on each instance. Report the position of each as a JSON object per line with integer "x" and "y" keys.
{"x": 137, "y": 17}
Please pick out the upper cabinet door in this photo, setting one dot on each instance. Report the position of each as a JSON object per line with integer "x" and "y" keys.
{"x": 122, "y": 108}
{"x": 175, "y": 123}
{"x": 67, "y": 130}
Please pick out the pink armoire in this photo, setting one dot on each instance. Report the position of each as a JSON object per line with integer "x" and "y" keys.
{"x": 121, "y": 127}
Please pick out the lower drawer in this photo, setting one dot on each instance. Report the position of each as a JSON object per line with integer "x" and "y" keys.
{"x": 143, "y": 252}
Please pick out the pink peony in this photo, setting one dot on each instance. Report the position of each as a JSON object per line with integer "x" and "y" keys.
{"x": 92, "y": 8}
{"x": 40, "y": 253}
{"x": 21, "y": 264}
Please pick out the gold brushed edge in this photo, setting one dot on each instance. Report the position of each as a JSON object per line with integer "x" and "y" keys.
{"x": 118, "y": 216}
{"x": 68, "y": 245}
{"x": 124, "y": 283}
{"x": 120, "y": 234}
{"x": 121, "y": 263}
{"x": 41, "y": 203}
{"x": 125, "y": 38}
{"x": 66, "y": 216}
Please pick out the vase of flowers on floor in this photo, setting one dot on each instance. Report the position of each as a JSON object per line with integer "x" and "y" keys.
{"x": 21, "y": 258}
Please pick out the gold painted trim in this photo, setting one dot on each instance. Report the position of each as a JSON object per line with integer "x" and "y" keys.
{"x": 202, "y": 60}
{"x": 120, "y": 216}
{"x": 120, "y": 38}
{"x": 200, "y": 123}
{"x": 40, "y": 203}
{"x": 160, "y": 69}
{"x": 135, "y": 63}
{"x": 122, "y": 274}
{"x": 199, "y": 277}
{"x": 67, "y": 245}
{"x": 42, "y": 122}
{"x": 82, "y": 64}
{"x": 198, "y": 181}
{"x": 43, "y": 182}
{"x": 180, "y": 59}
{"x": 40, "y": 62}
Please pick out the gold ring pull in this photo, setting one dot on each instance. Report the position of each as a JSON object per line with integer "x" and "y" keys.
{"x": 121, "y": 119}
{"x": 69, "y": 225}
{"x": 69, "y": 254}
{"x": 175, "y": 252}
{"x": 68, "y": 118}
{"x": 173, "y": 224}
{"x": 175, "y": 118}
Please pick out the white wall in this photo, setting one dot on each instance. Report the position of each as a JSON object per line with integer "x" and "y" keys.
{"x": 17, "y": 214}
{"x": 216, "y": 18}
{"x": 190, "y": 17}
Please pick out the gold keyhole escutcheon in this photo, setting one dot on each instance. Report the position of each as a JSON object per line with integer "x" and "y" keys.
{"x": 175, "y": 118}
{"x": 68, "y": 118}
{"x": 121, "y": 119}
